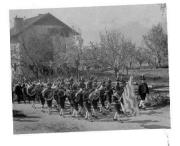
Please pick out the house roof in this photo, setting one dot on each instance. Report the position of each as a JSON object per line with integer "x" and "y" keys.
{"x": 35, "y": 20}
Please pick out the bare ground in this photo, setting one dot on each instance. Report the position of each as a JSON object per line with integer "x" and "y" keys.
{"x": 29, "y": 120}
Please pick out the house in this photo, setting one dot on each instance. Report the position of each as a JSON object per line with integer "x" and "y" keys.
{"x": 40, "y": 25}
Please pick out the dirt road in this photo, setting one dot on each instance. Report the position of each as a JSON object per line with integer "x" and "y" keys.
{"x": 29, "y": 120}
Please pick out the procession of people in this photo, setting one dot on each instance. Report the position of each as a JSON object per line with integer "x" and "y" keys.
{"x": 84, "y": 98}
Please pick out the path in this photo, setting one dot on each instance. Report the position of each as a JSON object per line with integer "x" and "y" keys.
{"x": 29, "y": 120}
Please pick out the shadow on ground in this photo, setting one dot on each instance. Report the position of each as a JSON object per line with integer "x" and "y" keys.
{"x": 21, "y": 117}
{"x": 155, "y": 127}
{"x": 143, "y": 121}
{"x": 151, "y": 113}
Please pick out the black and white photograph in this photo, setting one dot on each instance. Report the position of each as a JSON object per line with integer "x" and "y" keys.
{"x": 93, "y": 68}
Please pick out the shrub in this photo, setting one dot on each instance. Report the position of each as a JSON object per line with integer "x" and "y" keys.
{"x": 157, "y": 99}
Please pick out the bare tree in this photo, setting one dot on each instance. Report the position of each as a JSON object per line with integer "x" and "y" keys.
{"x": 128, "y": 54}
{"x": 140, "y": 56}
{"x": 74, "y": 54}
{"x": 118, "y": 51}
{"x": 156, "y": 42}
{"x": 110, "y": 42}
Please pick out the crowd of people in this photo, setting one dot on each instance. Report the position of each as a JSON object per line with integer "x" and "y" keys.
{"x": 85, "y": 98}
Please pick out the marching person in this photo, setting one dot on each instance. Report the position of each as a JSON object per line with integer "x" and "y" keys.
{"x": 47, "y": 93}
{"x": 42, "y": 100}
{"x": 94, "y": 97}
{"x": 18, "y": 91}
{"x": 74, "y": 89}
{"x": 60, "y": 97}
{"x": 86, "y": 100}
{"x": 118, "y": 100}
{"x": 109, "y": 92}
{"x": 102, "y": 96}
{"x": 87, "y": 105}
{"x": 79, "y": 95}
{"x": 32, "y": 93}
{"x": 142, "y": 91}
{"x": 24, "y": 90}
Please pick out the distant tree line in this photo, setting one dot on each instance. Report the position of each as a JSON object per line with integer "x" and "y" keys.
{"x": 114, "y": 52}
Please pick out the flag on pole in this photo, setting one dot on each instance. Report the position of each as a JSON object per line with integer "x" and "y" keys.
{"x": 129, "y": 98}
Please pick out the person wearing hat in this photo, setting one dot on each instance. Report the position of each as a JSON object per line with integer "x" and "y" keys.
{"x": 102, "y": 95}
{"x": 117, "y": 99}
{"x": 143, "y": 90}
{"x": 109, "y": 92}
{"x": 79, "y": 95}
{"x": 47, "y": 93}
{"x": 18, "y": 92}
{"x": 117, "y": 106}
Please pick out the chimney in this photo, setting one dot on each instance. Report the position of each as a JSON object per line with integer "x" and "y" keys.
{"x": 18, "y": 22}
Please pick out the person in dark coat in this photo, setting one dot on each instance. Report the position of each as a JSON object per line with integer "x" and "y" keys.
{"x": 47, "y": 93}
{"x": 79, "y": 95}
{"x": 42, "y": 100}
{"x": 117, "y": 106}
{"x": 119, "y": 89}
{"x": 87, "y": 105}
{"x": 25, "y": 94}
{"x": 118, "y": 100}
{"x": 73, "y": 99}
{"x": 102, "y": 97}
{"x": 19, "y": 92}
{"x": 60, "y": 97}
{"x": 109, "y": 92}
{"x": 143, "y": 90}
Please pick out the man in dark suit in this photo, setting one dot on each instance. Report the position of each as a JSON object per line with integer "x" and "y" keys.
{"x": 109, "y": 93}
{"x": 143, "y": 90}
{"x": 18, "y": 92}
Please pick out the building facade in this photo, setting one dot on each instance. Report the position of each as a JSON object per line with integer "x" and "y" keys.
{"x": 33, "y": 30}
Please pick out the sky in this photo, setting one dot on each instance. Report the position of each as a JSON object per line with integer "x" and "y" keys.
{"x": 132, "y": 20}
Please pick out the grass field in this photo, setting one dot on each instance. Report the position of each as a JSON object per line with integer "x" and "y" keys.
{"x": 155, "y": 75}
